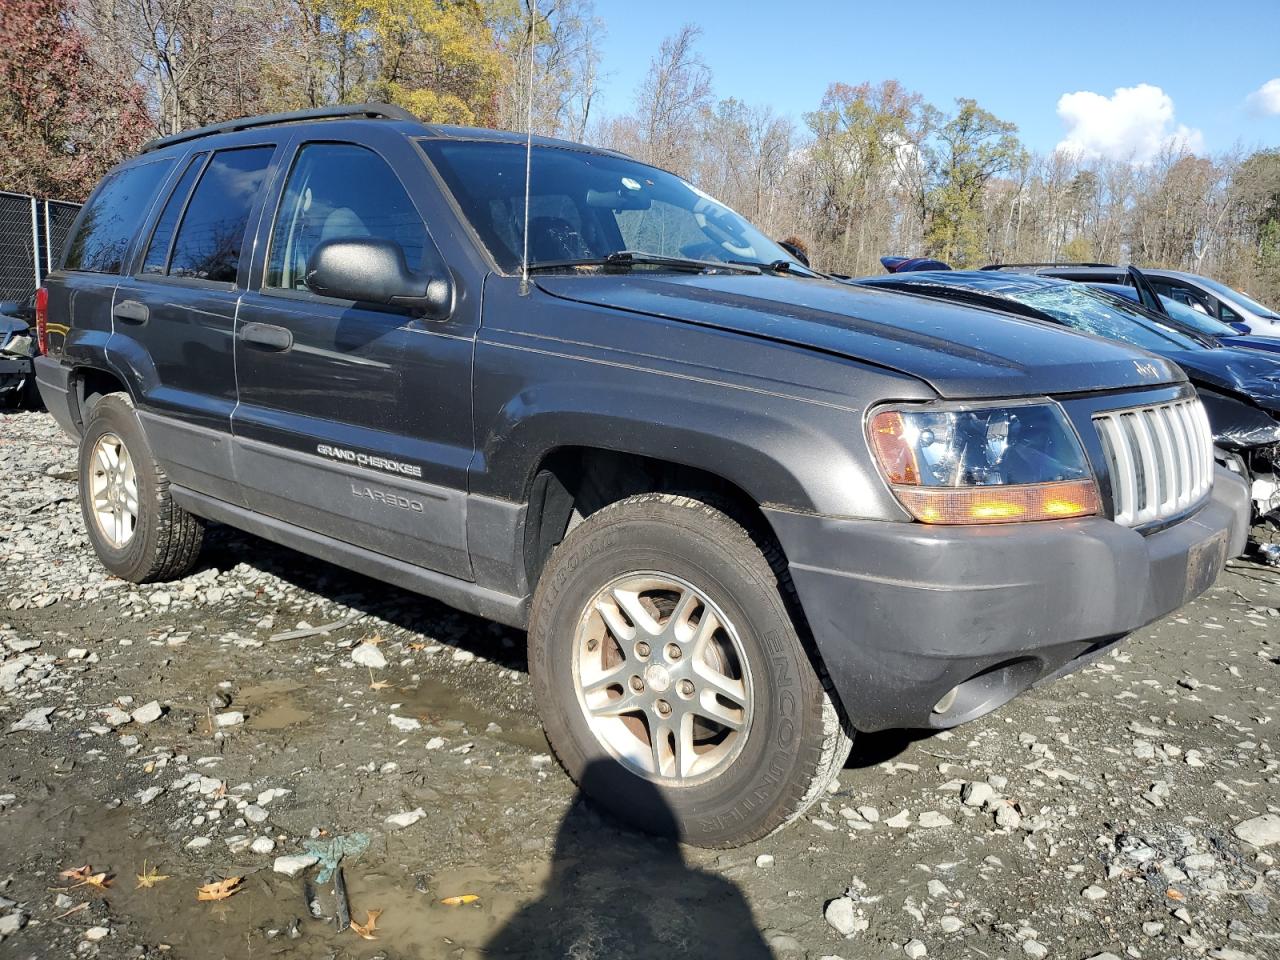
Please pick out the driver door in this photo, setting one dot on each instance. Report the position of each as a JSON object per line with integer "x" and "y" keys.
{"x": 352, "y": 422}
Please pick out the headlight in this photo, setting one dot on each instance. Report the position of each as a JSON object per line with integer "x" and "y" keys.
{"x": 950, "y": 463}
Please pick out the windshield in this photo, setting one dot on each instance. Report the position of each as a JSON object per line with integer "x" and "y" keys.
{"x": 1103, "y": 314}
{"x": 586, "y": 206}
{"x": 1197, "y": 321}
{"x": 1223, "y": 290}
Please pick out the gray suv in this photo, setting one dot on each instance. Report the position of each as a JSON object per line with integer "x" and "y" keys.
{"x": 743, "y": 511}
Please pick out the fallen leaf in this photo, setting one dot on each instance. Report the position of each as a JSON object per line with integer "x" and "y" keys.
{"x": 379, "y": 685}
{"x": 370, "y": 924}
{"x": 76, "y": 873}
{"x": 1173, "y": 894}
{"x": 372, "y": 641}
{"x": 149, "y": 878}
{"x": 85, "y": 877}
{"x": 219, "y": 889}
{"x": 415, "y": 646}
{"x": 460, "y": 900}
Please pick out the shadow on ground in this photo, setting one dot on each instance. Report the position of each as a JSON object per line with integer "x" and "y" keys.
{"x": 614, "y": 893}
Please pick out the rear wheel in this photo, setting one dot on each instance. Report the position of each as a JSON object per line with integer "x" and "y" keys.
{"x": 136, "y": 529}
{"x": 665, "y": 658}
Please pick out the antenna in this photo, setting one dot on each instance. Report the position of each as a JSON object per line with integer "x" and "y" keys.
{"x": 528, "y": 156}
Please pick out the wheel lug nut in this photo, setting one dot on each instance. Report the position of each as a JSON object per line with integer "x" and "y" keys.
{"x": 673, "y": 652}
{"x": 686, "y": 688}
{"x": 637, "y": 685}
{"x": 642, "y": 649}
{"x": 664, "y": 708}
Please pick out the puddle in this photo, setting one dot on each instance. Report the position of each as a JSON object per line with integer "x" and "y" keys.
{"x": 270, "y": 705}
{"x": 437, "y": 703}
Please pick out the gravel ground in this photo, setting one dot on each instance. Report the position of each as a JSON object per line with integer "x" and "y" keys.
{"x": 270, "y": 707}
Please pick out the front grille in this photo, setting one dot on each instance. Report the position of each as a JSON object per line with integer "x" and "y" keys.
{"x": 1160, "y": 458}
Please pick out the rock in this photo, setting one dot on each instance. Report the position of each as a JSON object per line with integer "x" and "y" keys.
{"x": 404, "y": 724}
{"x": 407, "y": 819}
{"x": 33, "y": 721}
{"x": 148, "y": 712}
{"x": 239, "y": 843}
{"x": 115, "y": 717}
{"x": 1007, "y": 816}
{"x": 1103, "y": 956}
{"x": 149, "y": 794}
{"x": 869, "y": 814}
{"x": 255, "y": 814}
{"x": 435, "y": 743}
{"x": 263, "y": 845}
{"x": 900, "y": 820}
{"x": 232, "y": 718}
{"x": 843, "y": 917}
{"x": 764, "y": 860}
{"x": 11, "y": 924}
{"x": 94, "y": 934}
{"x": 932, "y": 820}
{"x": 1093, "y": 892}
{"x": 915, "y": 949}
{"x": 368, "y": 655}
{"x": 294, "y": 864}
{"x": 937, "y": 889}
{"x": 976, "y": 793}
{"x": 198, "y": 843}
{"x": 1261, "y": 831}
{"x": 951, "y": 924}
{"x": 1153, "y": 928}
{"x": 1034, "y": 948}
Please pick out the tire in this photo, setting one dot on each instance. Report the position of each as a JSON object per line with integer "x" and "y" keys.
{"x": 163, "y": 540}
{"x": 724, "y": 787}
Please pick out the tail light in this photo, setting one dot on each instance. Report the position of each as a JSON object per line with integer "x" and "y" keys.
{"x": 42, "y": 319}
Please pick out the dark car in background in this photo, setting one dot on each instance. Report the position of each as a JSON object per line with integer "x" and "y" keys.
{"x": 1181, "y": 317}
{"x": 1217, "y": 300}
{"x": 17, "y": 353}
{"x": 1240, "y": 388}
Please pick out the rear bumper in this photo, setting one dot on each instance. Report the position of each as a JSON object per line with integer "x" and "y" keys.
{"x": 14, "y": 372}
{"x": 903, "y": 614}
{"x": 54, "y": 382}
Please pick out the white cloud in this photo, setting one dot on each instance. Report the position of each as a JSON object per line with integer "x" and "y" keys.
{"x": 1266, "y": 99}
{"x": 1134, "y": 123}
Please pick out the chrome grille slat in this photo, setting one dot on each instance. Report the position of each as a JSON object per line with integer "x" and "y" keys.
{"x": 1160, "y": 458}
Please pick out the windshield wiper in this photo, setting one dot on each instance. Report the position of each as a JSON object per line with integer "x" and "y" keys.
{"x": 630, "y": 258}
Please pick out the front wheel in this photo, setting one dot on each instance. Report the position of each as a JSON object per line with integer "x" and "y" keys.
{"x": 671, "y": 678}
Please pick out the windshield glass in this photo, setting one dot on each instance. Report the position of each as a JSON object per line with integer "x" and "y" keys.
{"x": 1224, "y": 291}
{"x": 585, "y": 206}
{"x": 1197, "y": 321}
{"x": 1104, "y": 315}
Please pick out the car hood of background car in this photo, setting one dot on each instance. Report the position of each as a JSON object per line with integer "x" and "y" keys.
{"x": 1251, "y": 373}
{"x": 961, "y": 352}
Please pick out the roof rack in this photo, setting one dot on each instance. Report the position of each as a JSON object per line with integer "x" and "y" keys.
{"x": 1007, "y": 266}
{"x": 381, "y": 111}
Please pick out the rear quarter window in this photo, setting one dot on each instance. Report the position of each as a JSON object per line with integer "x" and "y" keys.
{"x": 113, "y": 215}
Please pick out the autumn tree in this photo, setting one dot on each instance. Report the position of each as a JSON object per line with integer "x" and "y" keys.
{"x": 63, "y": 122}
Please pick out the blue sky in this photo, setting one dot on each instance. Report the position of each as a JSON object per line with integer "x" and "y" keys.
{"x": 1015, "y": 59}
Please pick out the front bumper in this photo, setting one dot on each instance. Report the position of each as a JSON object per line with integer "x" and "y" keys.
{"x": 904, "y": 614}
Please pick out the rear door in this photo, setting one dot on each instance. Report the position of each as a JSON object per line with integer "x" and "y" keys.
{"x": 82, "y": 290}
{"x": 354, "y": 422}
{"x": 175, "y": 315}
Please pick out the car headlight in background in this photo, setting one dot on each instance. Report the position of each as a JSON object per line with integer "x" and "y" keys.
{"x": 965, "y": 464}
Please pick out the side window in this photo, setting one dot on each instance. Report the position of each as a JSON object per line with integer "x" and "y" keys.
{"x": 157, "y": 259}
{"x": 112, "y": 217}
{"x": 1226, "y": 314}
{"x": 339, "y": 191}
{"x": 207, "y": 246}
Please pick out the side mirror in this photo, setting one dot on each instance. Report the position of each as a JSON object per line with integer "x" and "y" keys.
{"x": 374, "y": 271}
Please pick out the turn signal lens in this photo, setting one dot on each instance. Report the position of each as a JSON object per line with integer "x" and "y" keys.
{"x": 1035, "y": 501}
{"x": 961, "y": 463}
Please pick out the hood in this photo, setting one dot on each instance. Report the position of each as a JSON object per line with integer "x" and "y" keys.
{"x": 1251, "y": 373}
{"x": 961, "y": 352}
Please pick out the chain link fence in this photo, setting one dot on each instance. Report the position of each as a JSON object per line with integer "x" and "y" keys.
{"x": 32, "y": 234}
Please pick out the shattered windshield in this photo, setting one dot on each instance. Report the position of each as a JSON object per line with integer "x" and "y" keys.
{"x": 587, "y": 206}
{"x": 1104, "y": 315}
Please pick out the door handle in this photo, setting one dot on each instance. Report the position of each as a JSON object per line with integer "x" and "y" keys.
{"x": 266, "y": 335}
{"x": 131, "y": 311}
